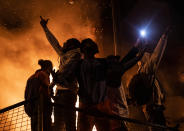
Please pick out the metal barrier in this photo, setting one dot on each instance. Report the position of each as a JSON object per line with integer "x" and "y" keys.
{"x": 14, "y": 118}
{"x": 131, "y": 123}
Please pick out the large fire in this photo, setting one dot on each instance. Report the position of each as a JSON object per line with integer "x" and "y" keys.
{"x": 24, "y": 44}
{"x": 76, "y": 104}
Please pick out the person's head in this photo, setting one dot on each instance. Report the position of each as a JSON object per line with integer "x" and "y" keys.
{"x": 46, "y": 65}
{"x": 71, "y": 44}
{"x": 89, "y": 48}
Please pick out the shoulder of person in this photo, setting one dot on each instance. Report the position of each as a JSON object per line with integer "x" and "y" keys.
{"x": 102, "y": 60}
{"x": 42, "y": 74}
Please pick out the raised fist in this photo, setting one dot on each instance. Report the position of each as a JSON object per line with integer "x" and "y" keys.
{"x": 43, "y": 22}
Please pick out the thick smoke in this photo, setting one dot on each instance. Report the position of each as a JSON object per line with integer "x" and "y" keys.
{"x": 23, "y": 41}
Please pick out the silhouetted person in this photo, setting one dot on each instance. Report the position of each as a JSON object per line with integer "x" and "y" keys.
{"x": 145, "y": 88}
{"x": 115, "y": 91}
{"x": 38, "y": 87}
{"x": 92, "y": 87}
{"x": 65, "y": 80}
{"x": 100, "y": 85}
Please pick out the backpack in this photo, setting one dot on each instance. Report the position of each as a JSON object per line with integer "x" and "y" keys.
{"x": 140, "y": 88}
{"x": 30, "y": 95}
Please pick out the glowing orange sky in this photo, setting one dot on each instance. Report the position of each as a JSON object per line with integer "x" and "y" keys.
{"x": 21, "y": 48}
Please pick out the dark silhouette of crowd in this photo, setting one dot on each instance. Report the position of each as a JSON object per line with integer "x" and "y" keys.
{"x": 98, "y": 83}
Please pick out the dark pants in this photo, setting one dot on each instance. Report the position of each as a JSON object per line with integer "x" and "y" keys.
{"x": 47, "y": 117}
{"x": 86, "y": 122}
{"x": 65, "y": 116}
{"x": 34, "y": 122}
{"x": 46, "y": 110}
{"x": 155, "y": 114}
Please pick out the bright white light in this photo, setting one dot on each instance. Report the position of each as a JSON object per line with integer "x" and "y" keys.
{"x": 52, "y": 100}
{"x": 94, "y": 128}
{"x": 143, "y": 33}
{"x": 77, "y": 105}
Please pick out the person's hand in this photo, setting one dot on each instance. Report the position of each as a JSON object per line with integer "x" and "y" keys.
{"x": 43, "y": 22}
{"x": 141, "y": 44}
{"x": 167, "y": 31}
{"x": 137, "y": 43}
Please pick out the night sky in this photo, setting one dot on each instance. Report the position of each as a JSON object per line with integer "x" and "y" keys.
{"x": 156, "y": 15}
{"x": 22, "y": 41}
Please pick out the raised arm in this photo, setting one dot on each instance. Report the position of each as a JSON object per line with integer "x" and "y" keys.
{"x": 151, "y": 64}
{"x": 131, "y": 54}
{"x": 51, "y": 38}
{"x": 139, "y": 45}
{"x": 132, "y": 62}
{"x": 159, "y": 51}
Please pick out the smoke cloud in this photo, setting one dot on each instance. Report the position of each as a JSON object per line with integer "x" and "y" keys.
{"x": 23, "y": 41}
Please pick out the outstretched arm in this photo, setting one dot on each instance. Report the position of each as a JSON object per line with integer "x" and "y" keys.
{"x": 50, "y": 37}
{"x": 151, "y": 64}
{"x": 131, "y": 54}
{"x": 132, "y": 62}
{"x": 159, "y": 51}
{"x": 139, "y": 45}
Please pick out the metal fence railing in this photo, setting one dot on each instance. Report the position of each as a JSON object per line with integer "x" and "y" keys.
{"x": 14, "y": 118}
{"x": 132, "y": 124}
